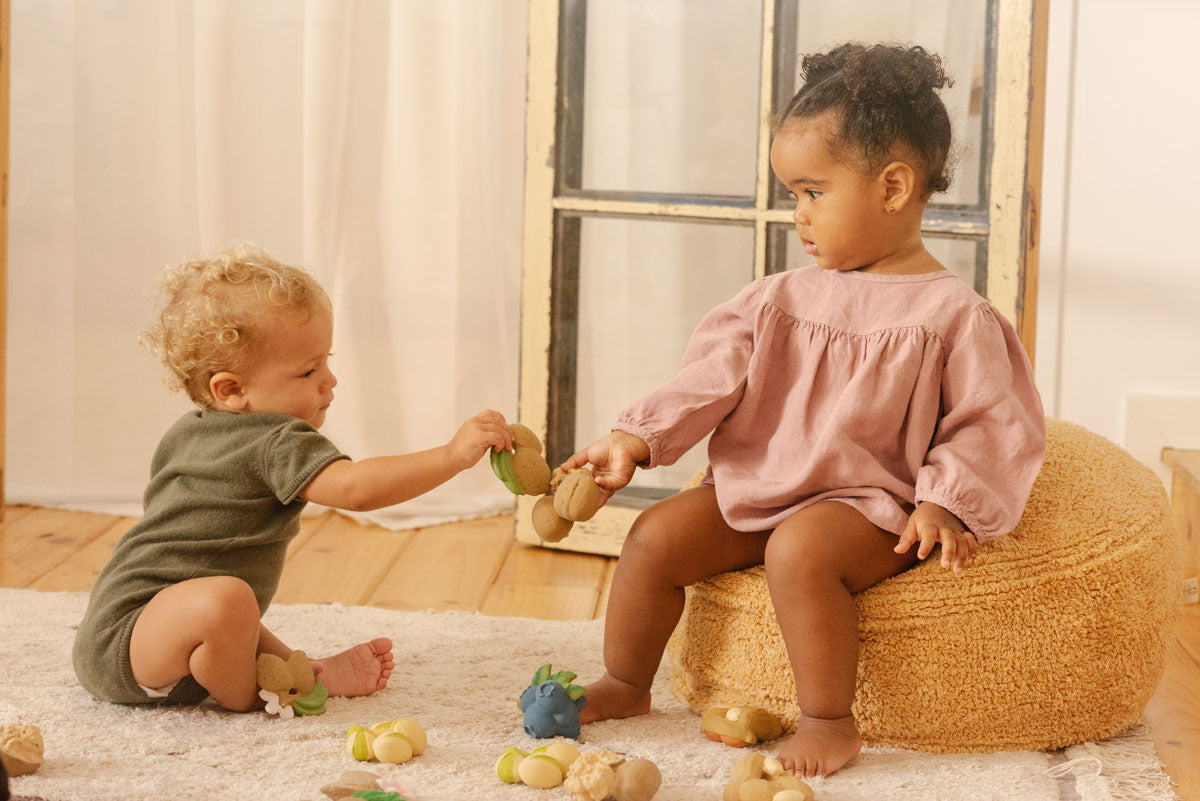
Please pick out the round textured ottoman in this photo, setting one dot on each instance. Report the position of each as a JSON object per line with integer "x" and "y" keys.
{"x": 1054, "y": 635}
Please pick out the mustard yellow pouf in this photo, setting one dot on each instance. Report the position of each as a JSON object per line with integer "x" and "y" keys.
{"x": 1054, "y": 635}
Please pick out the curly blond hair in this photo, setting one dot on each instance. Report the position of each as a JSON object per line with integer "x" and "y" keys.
{"x": 215, "y": 311}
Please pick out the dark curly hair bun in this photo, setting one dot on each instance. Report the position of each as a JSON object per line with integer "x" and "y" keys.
{"x": 887, "y": 98}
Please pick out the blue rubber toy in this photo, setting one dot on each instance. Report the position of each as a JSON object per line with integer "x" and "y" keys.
{"x": 551, "y": 704}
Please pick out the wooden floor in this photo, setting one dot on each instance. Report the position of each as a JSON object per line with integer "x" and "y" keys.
{"x": 476, "y": 565}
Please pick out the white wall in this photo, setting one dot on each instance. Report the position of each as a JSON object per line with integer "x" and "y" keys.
{"x": 1118, "y": 347}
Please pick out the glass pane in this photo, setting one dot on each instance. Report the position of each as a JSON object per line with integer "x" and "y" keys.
{"x": 671, "y": 96}
{"x": 961, "y": 256}
{"x": 643, "y": 287}
{"x": 954, "y": 29}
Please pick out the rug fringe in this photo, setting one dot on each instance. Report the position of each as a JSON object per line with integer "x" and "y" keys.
{"x": 1117, "y": 769}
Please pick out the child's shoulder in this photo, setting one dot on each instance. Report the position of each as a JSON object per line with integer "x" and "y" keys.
{"x": 214, "y": 426}
{"x": 214, "y": 420}
{"x": 207, "y": 434}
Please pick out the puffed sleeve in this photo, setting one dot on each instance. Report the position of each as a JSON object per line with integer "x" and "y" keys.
{"x": 711, "y": 379}
{"x": 991, "y": 438}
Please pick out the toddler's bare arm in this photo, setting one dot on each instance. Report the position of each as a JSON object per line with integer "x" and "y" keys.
{"x": 386, "y": 480}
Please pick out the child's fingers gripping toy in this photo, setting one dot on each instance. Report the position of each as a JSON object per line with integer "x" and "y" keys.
{"x": 575, "y": 498}
{"x": 739, "y": 726}
{"x": 290, "y": 687}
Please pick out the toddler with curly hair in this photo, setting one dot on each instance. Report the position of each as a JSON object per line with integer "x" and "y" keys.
{"x": 175, "y": 615}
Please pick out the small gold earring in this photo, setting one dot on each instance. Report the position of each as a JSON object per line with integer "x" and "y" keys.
{"x": 891, "y": 209}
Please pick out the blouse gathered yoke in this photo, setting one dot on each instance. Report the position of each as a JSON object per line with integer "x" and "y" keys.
{"x": 878, "y": 391}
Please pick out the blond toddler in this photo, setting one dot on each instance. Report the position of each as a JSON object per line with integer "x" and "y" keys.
{"x": 175, "y": 615}
{"x": 859, "y": 406}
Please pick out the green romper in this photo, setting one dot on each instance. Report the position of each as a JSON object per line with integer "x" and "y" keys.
{"x": 221, "y": 502}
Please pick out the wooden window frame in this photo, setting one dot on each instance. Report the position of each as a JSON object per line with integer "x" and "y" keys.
{"x": 1004, "y": 220}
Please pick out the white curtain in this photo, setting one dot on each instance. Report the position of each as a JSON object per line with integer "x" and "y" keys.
{"x": 377, "y": 143}
{"x": 380, "y": 144}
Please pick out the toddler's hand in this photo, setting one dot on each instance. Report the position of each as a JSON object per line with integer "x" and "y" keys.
{"x": 613, "y": 458}
{"x": 933, "y": 524}
{"x": 486, "y": 430}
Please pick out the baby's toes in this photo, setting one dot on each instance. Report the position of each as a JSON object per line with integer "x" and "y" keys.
{"x": 381, "y": 647}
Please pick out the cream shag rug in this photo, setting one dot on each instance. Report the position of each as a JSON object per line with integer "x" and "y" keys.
{"x": 458, "y": 674}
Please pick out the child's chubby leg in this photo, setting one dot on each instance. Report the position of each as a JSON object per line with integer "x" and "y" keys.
{"x": 674, "y": 543}
{"x": 815, "y": 561}
{"x": 210, "y": 628}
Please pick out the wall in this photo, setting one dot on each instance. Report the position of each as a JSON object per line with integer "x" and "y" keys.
{"x": 1118, "y": 346}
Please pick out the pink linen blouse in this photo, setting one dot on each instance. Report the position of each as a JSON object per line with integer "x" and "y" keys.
{"x": 879, "y": 391}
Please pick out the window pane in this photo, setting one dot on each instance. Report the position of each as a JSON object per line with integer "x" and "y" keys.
{"x": 643, "y": 287}
{"x": 671, "y": 96}
{"x": 964, "y": 257}
{"x": 954, "y": 29}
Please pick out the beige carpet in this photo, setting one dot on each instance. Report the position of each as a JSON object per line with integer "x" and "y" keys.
{"x": 458, "y": 674}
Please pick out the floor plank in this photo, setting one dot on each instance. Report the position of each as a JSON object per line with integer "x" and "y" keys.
{"x": 37, "y": 542}
{"x": 546, "y": 584}
{"x": 14, "y": 513}
{"x": 342, "y": 562}
{"x": 78, "y": 572}
{"x": 1174, "y": 712}
{"x": 447, "y": 567}
{"x": 309, "y": 526}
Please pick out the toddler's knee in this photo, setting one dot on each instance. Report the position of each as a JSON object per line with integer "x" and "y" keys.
{"x": 229, "y": 602}
{"x": 653, "y": 537}
{"x": 799, "y": 552}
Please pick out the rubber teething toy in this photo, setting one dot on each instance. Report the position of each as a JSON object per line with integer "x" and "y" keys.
{"x": 551, "y": 704}
{"x": 739, "y": 726}
{"x": 21, "y": 748}
{"x": 393, "y": 741}
{"x": 756, "y": 778}
{"x": 524, "y": 471}
{"x": 576, "y": 497}
{"x": 289, "y": 687}
{"x": 542, "y": 768}
{"x": 349, "y": 783}
{"x": 602, "y": 774}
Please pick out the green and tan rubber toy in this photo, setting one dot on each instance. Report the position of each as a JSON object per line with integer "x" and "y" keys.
{"x": 524, "y": 471}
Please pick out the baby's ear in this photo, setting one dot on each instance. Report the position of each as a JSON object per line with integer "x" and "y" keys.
{"x": 227, "y": 391}
{"x": 899, "y": 181}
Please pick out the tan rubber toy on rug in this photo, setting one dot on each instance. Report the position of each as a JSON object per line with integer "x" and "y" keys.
{"x": 21, "y": 748}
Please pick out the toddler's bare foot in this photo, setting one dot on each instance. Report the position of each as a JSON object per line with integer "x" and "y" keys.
{"x": 361, "y": 670}
{"x": 613, "y": 698}
{"x": 820, "y": 746}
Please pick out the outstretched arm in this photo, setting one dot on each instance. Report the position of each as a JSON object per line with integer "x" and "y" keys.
{"x": 386, "y": 480}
